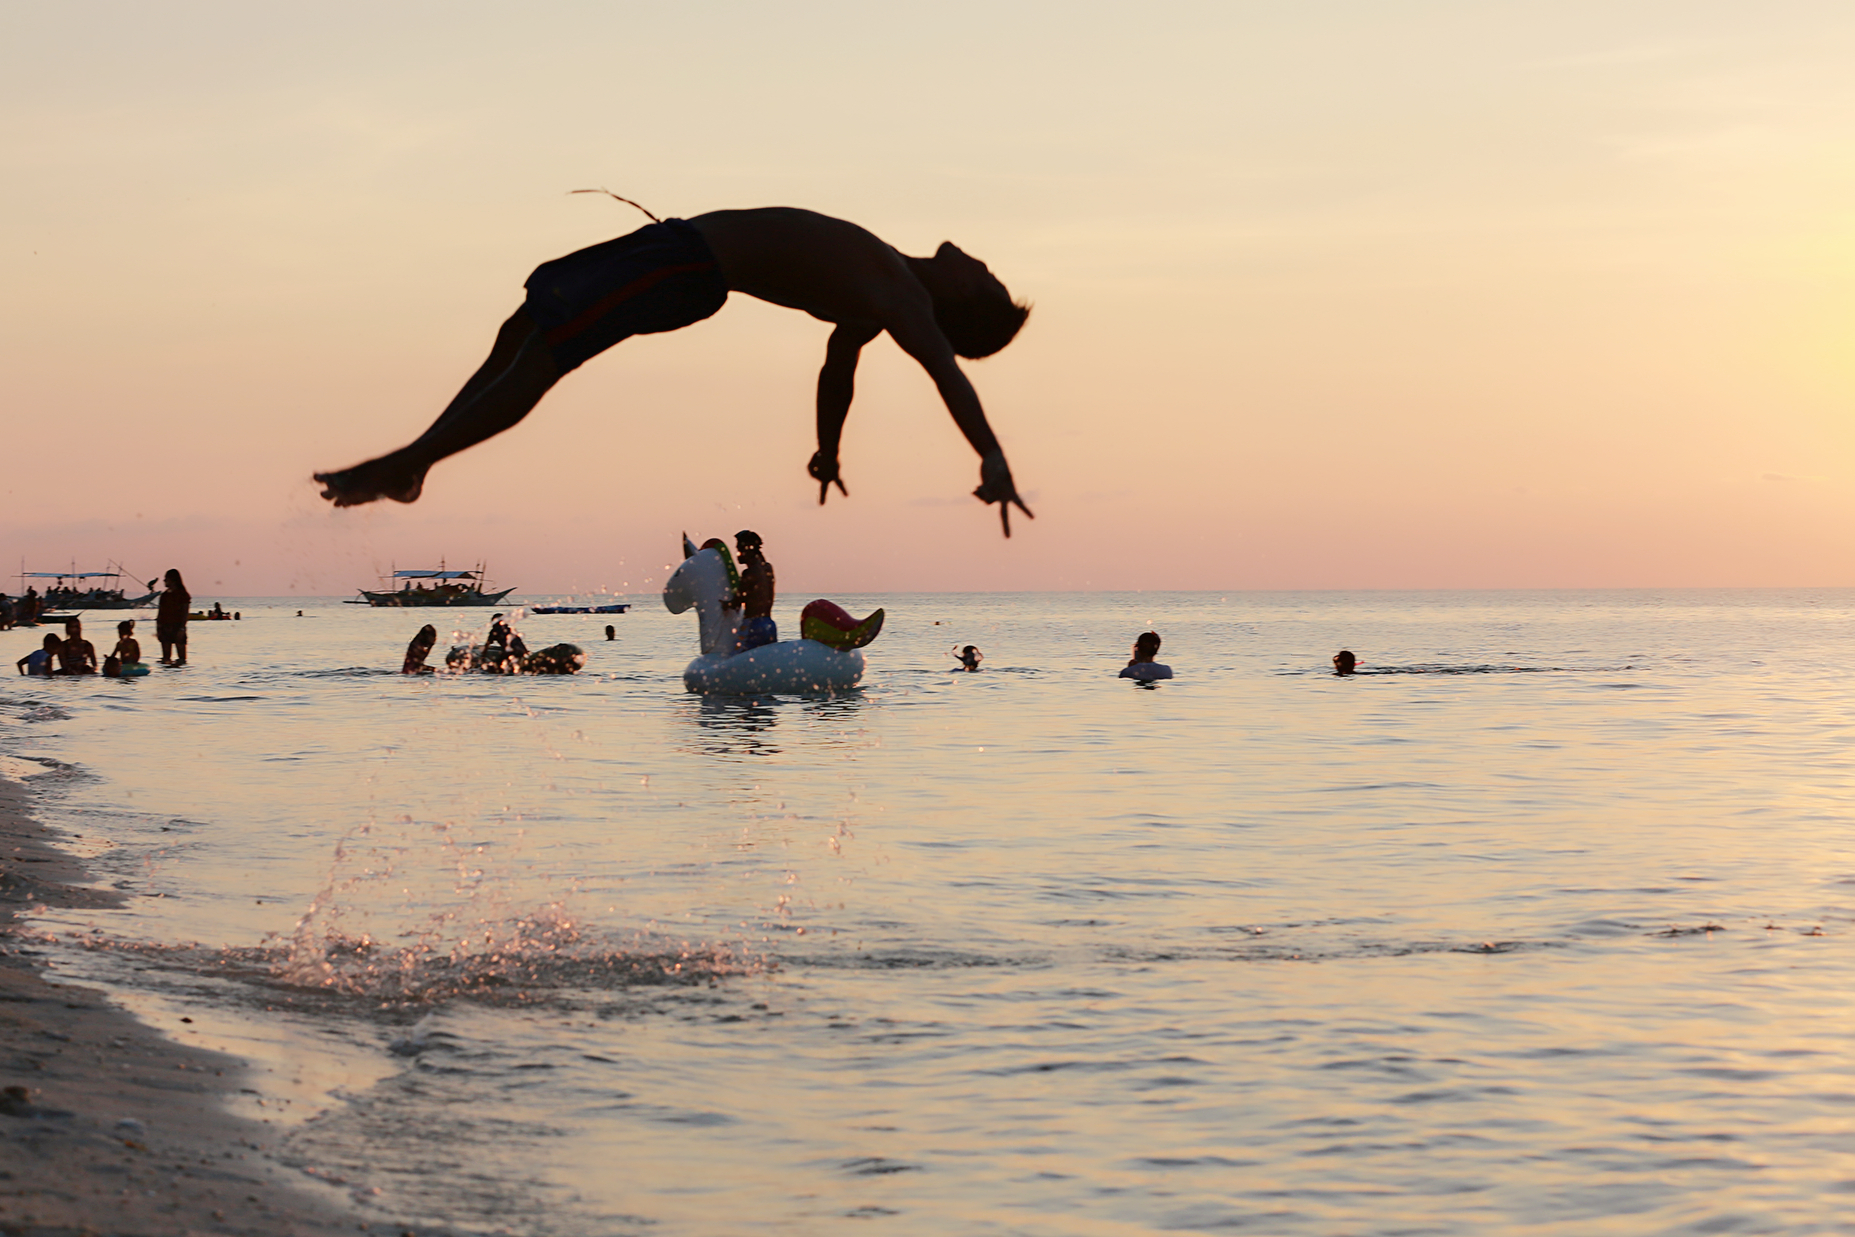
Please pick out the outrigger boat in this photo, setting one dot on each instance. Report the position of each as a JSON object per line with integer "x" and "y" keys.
{"x": 80, "y": 594}
{"x": 616, "y": 608}
{"x": 435, "y": 588}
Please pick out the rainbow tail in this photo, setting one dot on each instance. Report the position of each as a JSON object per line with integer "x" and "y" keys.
{"x": 830, "y": 624}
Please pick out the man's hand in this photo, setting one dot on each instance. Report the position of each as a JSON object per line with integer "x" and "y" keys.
{"x": 995, "y": 486}
{"x": 824, "y": 472}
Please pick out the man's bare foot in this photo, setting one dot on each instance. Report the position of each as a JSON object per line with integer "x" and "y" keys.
{"x": 391, "y": 476}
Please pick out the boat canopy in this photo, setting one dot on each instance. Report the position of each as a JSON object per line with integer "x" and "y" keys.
{"x": 70, "y": 575}
{"x": 434, "y": 575}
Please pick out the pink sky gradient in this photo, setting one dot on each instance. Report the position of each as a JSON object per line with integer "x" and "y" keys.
{"x": 1349, "y": 295}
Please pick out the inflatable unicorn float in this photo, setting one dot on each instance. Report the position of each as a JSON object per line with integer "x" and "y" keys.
{"x": 828, "y": 657}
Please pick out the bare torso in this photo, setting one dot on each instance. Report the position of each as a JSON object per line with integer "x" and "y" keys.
{"x": 833, "y": 270}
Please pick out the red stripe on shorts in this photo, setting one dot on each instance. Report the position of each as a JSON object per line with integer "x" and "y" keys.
{"x": 612, "y": 300}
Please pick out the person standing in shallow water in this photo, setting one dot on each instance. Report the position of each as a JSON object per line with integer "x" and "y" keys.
{"x": 676, "y": 272}
{"x": 171, "y": 613}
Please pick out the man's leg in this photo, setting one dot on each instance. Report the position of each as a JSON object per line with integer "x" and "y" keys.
{"x": 505, "y": 388}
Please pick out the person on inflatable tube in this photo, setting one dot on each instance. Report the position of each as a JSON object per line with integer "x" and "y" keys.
{"x": 753, "y": 594}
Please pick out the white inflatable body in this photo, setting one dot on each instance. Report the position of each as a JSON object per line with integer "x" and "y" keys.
{"x": 786, "y": 666}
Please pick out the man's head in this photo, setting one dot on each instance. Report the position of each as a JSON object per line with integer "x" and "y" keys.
{"x": 73, "y": 629}
{"x": 747, "y": 541}
{"x": 1146, "y": 646}
{"x": 971, "y": 307}
{"x": 126, "y": 627}
{"x": 51, "y": 643}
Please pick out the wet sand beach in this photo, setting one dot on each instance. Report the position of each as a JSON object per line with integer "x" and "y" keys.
{"x": 106, "y": 1126}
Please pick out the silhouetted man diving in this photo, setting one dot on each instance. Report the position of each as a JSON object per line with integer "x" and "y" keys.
{"x": 672, "y": 273}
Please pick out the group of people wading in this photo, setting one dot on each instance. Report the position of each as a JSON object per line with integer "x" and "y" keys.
{"x": 72, "y": 654}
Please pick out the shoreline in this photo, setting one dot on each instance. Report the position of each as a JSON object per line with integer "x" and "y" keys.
{"x": 106, "y": 1125}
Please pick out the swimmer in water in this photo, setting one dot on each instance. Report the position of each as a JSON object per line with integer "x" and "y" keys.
{"x": 419, "y": 650}
{"x": 970, "y": 657}
{"x": 1344, "y": 661}
{"x": 1143, "y": 667}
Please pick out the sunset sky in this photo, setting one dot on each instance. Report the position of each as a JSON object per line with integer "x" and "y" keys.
{"x": 1327, "y": 295}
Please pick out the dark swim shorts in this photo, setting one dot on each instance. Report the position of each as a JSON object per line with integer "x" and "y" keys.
{"x": 660, "y": 278}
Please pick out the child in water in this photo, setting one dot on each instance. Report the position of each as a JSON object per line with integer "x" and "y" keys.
{"x": 40, "y": 660}
{"x": 128, "y": 650}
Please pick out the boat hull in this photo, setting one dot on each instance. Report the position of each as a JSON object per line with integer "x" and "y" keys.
{"x": 98, "y": 600}
{"x": 420, "y": 599}
{"x": 788, "y": 667}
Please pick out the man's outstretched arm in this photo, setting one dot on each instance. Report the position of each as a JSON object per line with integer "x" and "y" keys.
{"x": 836, "y": 388}
{"x": 919, "y": 336}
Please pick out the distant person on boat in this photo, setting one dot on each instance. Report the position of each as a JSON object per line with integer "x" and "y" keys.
{"x": 42, "y": 660}
{"x": 76, "y": 655}
{"x": 1143, "y": 667}
{"x": 419, "y": 650}
{"x": 970, "y": 657}
{"x": 171, "y": 614}
{"x": 1344, "y": 661}
{"x": 755, "y": 595}
{"x": 26, "y": 614}
{"x": 676, "y": 272}
{"x": 6, "y": 613}
{"x": 128, "y": 649}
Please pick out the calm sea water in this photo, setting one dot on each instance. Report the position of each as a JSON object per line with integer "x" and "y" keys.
{"x": 1541, "y": 923}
